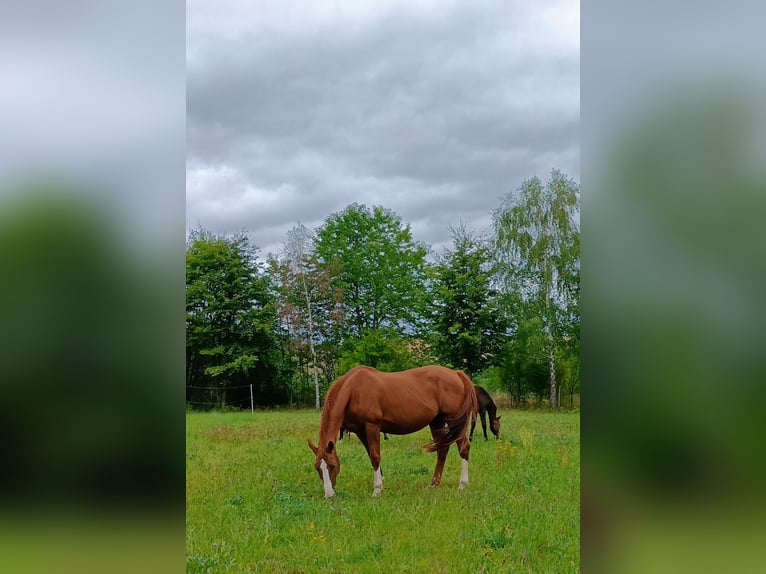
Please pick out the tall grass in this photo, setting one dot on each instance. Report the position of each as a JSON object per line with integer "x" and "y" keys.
{"x": 255, "y": 503}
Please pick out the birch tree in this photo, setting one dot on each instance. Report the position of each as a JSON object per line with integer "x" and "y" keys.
{"x": 297, "y": 255}
{"x": 537, "y": 239}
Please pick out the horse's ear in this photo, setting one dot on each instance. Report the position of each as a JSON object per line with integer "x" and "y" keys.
{"x": 330, "y": 446}
{"x": 498, "y": 418}
{"x": 312, "y": 446}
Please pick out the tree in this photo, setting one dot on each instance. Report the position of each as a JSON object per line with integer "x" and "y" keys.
{"x": 297, "y": 251}
{"x": 466, "y": 320}
{"x": 538, "y": 246}
{"x": 380, "y": 269}
{"x": 230, "y": 316}
{"x": 307, "y": 304}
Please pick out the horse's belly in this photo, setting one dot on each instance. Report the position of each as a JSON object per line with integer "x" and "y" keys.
{"x": 401, "y": 429}
{"x": 406, "y": 426}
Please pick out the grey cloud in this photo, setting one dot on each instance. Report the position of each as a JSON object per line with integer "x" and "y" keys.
{"x": 418, "y": 112}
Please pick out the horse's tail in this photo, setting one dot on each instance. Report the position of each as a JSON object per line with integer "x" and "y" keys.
{"x": 470, "y": 390}
{"x": 457, "y": 425}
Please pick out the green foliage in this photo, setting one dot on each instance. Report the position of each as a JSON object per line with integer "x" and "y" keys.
{"x": 255, "y": 504}
{"x": 490, "y": 379}
{"x": 230, "y": 320}
{"x": 523, "y": 359}
{"x": 382, "y": 349}
{"x": 537, "y": 237}
{"x": 524, "y": 369}
{"x": 466, "y": 320}
{"x": 380, "y": 269}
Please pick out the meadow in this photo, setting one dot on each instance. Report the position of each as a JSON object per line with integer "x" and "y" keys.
{"x": 254, "y": 502}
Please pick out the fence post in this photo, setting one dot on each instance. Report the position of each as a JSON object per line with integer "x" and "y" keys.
{"x": 251, "y": 398}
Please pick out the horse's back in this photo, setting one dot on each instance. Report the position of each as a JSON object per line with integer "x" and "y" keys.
{"x": 405, "y": 401}
{"x": 430, "y": 382}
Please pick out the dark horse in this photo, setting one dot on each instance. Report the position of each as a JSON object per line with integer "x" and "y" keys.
{"x": 486, "y": 404}
{"x": 367, "y": 402}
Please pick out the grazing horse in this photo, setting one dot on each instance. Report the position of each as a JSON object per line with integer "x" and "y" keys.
{"x": 486, "y": 404}
{"x": 367, "y": 402}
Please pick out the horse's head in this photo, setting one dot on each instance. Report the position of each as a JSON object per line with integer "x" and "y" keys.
{"x": 327, "y": 465}
{"x": 494, "y": 426}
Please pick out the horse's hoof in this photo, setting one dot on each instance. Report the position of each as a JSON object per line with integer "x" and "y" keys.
{"x": 462, "y": 485}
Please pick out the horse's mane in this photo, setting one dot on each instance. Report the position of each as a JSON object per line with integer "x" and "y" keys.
{"x": 329, "y": 403}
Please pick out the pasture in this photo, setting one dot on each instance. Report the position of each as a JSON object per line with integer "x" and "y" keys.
{"x": 254, "y": 502}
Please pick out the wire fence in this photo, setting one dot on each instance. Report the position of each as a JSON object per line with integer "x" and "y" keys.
{"x": 221, "y": 402}
{"x": 219, "y": 388}
{"x": 224, "y": 403}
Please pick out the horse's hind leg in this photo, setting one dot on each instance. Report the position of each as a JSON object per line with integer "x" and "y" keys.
{"x": 464, "y": 447}
{"x": 439, "y": 430}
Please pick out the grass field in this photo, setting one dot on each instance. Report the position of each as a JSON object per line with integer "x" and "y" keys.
{"x": 255, "y": 504}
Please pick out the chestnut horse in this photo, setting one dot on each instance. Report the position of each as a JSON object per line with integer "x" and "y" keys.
{"x": 367, "y": 402}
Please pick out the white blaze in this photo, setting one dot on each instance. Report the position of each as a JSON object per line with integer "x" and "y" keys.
{"x": 463, "y": 472}
{"x": 328, "y": 490}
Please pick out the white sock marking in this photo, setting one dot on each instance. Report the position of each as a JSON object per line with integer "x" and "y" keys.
{"x": 463, "y": 472}
{"x": 328, "y": 490}
{"x": 377, "y": 482}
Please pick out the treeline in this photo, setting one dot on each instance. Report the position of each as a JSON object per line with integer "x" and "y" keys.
{"x": 360, "y": 290}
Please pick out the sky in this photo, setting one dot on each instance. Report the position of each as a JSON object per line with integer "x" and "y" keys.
{"x": 434, "y": 110}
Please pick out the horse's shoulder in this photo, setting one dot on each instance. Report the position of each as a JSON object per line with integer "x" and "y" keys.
{"x": 363, "y": 369}
{"x": 362, "y": 372}
{"x": 436, "y": 369}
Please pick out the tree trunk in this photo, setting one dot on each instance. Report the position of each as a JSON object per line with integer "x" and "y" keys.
{"x": 554, "y": 394}
{"x": 548, "y": 279}
{"x": 317, "y": 404}
{"x": 549, "y": 320}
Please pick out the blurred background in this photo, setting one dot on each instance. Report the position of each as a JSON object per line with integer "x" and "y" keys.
{"x": 92, "y": 136}
{"x": 673, "y": 283}
{"x": 91, "y": 298}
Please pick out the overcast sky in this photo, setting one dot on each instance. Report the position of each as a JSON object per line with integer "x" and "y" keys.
{"x": 432, "y": 109}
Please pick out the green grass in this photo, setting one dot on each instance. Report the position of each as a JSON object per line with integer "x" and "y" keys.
{"x": 255, "y": 504}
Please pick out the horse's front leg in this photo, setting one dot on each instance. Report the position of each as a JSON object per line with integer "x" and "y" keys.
{"x": 372, "y": 435}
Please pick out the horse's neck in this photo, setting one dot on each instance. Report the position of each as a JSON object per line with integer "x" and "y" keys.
{"x": 332, "y": 418}
{"x": 491, "y": 408}
{"x": 331, "y": 430}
